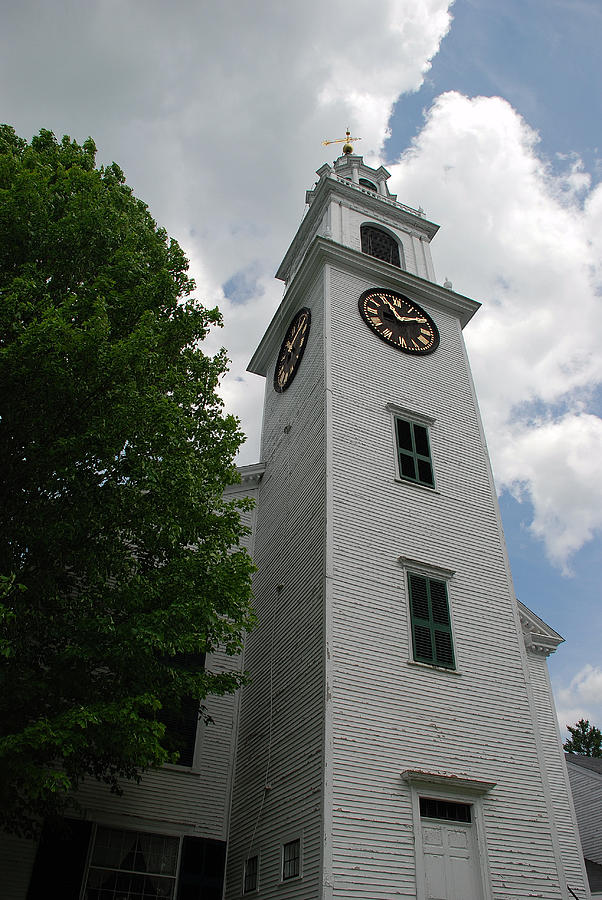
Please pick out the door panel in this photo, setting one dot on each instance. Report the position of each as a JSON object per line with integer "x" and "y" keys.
{"x": 450, "y": 862}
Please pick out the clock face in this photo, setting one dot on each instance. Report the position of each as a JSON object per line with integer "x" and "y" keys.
{"x": 399, "y": 321}
{"x": 291, "y": 351}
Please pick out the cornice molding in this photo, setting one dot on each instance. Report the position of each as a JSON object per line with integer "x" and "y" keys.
{"x": 539, "y": 637}
{"x": 454, "y": 783}
{"x": 419, "y": 417}
{"x": 324, "y": 250}
{"x": 422, "y": 568}
{"x": 250, "y": 476}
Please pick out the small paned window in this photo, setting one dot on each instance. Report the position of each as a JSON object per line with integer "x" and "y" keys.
{"x": 413, "y": 452}
{"x": 431, "y": 623}
{"x": 379, "y": 244}
{"x": 368, "y": 184}
{"x": 445, "y": 809}
{"x": 291, "y": 859}
{"x": 251, "y": 867}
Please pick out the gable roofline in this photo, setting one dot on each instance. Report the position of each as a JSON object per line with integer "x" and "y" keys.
{"x": 593, "y": 764}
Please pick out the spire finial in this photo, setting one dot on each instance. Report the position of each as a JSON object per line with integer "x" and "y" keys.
{"x": 346, "y": 142}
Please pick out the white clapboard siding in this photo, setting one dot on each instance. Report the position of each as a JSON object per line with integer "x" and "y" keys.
{"x": 390, "y": 716}
{"x": 586, "y": 788}
{"x": 558, "y": 784}
{"x": 278, "y": 781}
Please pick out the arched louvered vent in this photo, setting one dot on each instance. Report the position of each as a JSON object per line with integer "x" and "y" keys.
{"x": 368, "y": 184}
{"x": 380, "y": 244}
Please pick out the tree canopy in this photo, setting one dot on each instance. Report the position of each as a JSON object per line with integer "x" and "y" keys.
{"x": 120, "y": 561}
{"x": 585, "y": 739}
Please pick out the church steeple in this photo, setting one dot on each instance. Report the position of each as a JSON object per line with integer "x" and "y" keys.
{"x": 350, "y": 194}
{"x": 396, "y": 736}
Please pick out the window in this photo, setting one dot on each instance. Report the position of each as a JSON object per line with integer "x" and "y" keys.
{"x": 132, "y": 864}
{"x": 291, "y": 859}
{"x": 431, "y": 623}
{"x": 413, "y": 452}
{"x": 380, "y": 244}
{"x": 181, "y": 721}
{"x": 124, "y": 865}
{"x": 444, "y": 809}
{"x": 251, "y": 867}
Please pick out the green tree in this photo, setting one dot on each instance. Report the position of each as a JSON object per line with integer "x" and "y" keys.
{"x": 120, "y": 561}
{"x": 585, "y": 739}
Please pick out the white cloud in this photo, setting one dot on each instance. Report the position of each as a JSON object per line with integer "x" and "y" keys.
{"x": 581, "y": 698}
{"x": 216, "y": 114}
{"x": 518, "y": 237}
{"x": 558, "y": 463}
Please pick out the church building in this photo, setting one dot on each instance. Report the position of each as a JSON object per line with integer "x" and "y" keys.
{"x": 398, "y": 737}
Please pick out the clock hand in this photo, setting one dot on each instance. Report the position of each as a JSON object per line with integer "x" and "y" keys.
{"x": 403, "y": 318}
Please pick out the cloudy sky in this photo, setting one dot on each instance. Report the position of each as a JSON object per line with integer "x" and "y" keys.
{"x": 487, "y": 113}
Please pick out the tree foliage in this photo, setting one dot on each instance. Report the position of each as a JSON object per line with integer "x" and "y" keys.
{"x": 119, "y": 558}
{"x": 585, "y": 739}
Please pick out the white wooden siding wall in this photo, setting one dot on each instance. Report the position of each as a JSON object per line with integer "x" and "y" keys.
{"x": 558, "y": 783}
{"x": 586, "y": 787}
{"x": 388, "y": 715}
{"x": 281, "y": 711}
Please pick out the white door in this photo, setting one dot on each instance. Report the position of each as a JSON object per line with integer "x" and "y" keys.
{"x": 451, "y": 862}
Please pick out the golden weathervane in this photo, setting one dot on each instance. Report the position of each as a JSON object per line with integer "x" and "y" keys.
{"x": 346, "y": 142}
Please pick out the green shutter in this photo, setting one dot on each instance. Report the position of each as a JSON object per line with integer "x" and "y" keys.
{"x": 431, "y": 623}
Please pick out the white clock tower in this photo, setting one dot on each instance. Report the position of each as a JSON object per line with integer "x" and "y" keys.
{"x": 398, "y": 737}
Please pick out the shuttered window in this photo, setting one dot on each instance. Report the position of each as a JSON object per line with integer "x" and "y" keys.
{"x": 379, "y": 244}
{"x": 431, "y": 623}
{"x": 414, "y": 452}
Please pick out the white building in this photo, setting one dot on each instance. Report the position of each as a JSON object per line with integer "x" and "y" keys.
{"x": 398, "y": 737}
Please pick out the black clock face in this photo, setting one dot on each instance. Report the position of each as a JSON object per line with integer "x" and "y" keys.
{"x": 291, "y": 351}
{"x": 399, "y": 321}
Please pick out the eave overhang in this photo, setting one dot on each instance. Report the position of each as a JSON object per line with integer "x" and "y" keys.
{"x": 323, "y": 251}
{"x": 538, "y": 636}
{"x": 250, "y": 476}
{"x": 372, "y": 204}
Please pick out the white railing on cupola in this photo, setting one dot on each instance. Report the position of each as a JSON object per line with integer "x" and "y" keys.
{"x": 363, "y": 190}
